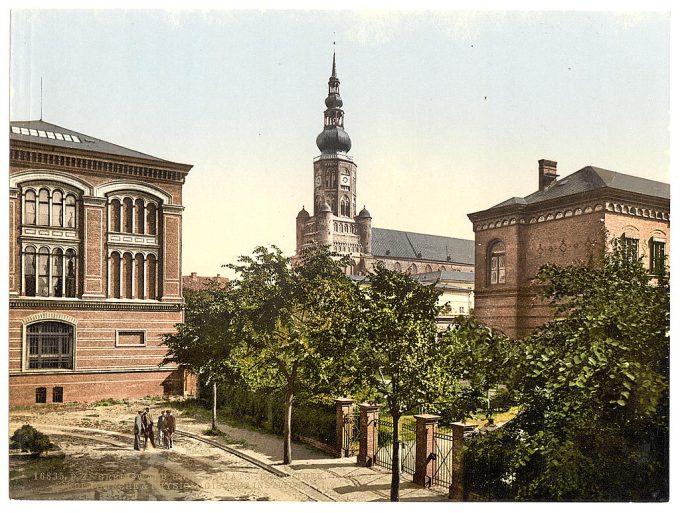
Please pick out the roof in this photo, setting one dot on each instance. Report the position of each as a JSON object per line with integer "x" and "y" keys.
{"x": 195, "y": 282}
{"x": 42, "y": 132}
{"x": 399, "y": 244}
{"x": 591, "y": 178}
{"x": 446, "y": 276}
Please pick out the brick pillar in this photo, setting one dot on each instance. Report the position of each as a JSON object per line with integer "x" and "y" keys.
{"x": 368, "y": 435}
{"x": 93, "y": 270}
{"x": 343, "y": 430}
{"x": 457, "y": 490}
{"x": 426, "y": 427}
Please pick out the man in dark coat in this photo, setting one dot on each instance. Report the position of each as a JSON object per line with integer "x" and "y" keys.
{"x": 149, "y": 430}
{"x": 170, "y": 426}
{"x": 138, "y": 430}
{"x": 160, "y": 424}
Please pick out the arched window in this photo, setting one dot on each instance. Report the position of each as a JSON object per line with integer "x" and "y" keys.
{"x": 127, "y": 215}
{"x": 115, "y": 276}
{"x": 151, "y": 277}
{"x": 29, "y": 272}
{"x": 412, "y": 269}
{"x": 57, "y": 208}
{"x": 139, "y": 266}
{"x": 497, "y": 263}
{"x": 127, "y": 276}
{"x": 70, "y": 211}
{"x": 151, "y": 219}
{"x": 57, "y": 273}
{"x": 29, "y": 207}
{"x": 397, "y": 266}
{"x": 71, "y": 273}
{"x": 139, "y": 213}
{"x": 49, "y": 345}
{"x": 44, "y": 207}
{"x": 114, "y": 212}
{"x": 428, "y": 268}
{"x": 344, "y": 206}
{"x": 43, "y": 272}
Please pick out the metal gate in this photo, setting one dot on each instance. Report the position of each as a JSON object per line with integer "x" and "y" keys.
{"x": 407, "y": 446}
{"x": 350, "y": 433}
{"x": 443, "y": 450}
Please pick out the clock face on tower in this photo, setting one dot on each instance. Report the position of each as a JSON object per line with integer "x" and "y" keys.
{"x": 317, "y": 180}
{"x": 344, "y": 180}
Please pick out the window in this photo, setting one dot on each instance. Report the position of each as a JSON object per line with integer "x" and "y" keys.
{"x": 497, "y": 263}
{"x": 139, "y": 213}
{"x": 30, "y": 207}
{"x": 630, "y": 247}
{"x": 139, "y": 274}
{"x": 50, "y": 345}
{"x": 57, "y": 273}
{"x": 151, "y": 219}
{"x": 58, "y": 395}
{"x": 126, "y": 274}
{"x": 70, "y": 273}
{"x": 151, "y": 277}
{"x": 70, "y": 211}
{"x": 397, "y": 266}
{"x": 114, "y": 212}
{"x": 127, "y": 215}
{"x": 44, "y": 207}
{"x": 29, "y": 272}
{"x": 657, "y": 255}
{"x": 115, "y": 275}
{"x": 344, "y": 206}
{"x": 57, "y": 208}
{"x": 40, "y": 395}
{"x": 461, "y": 309}
{"x": 43, "y": 272}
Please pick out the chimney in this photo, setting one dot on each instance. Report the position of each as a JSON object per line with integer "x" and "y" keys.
{"x": 547, "y": 173}
{"x": 218, "y": 275}
{"x": 193, "y": 276}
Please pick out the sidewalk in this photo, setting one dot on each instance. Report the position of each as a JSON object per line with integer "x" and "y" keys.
{"x": 334, "y": 479}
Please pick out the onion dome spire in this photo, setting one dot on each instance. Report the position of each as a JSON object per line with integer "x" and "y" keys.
{"x": 333, "y": 139}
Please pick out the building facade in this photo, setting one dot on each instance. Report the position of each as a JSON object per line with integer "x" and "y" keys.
{"x": 94, "y": 268}
{"x": 564, "y": 222}
{"x": 334, "y": 220}
{"x": 195, "y": 282}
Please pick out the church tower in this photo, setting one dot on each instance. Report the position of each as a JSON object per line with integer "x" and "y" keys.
{"x": 334, "y": 220}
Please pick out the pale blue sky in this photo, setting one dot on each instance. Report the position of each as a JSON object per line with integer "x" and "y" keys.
{"x": 448, "y": 111}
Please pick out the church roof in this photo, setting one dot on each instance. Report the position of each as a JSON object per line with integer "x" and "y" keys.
{"x": 446, "y": 276}
{"x": 400, "y": 244}
{"x": 591, "y": 178}
{"x": 42, "y": 132}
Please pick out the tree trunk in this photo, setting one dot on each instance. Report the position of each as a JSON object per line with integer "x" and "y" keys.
{"x": 396, "y": 460}
{"x": 287, "y": 447}
{"x": 214, "y": 408}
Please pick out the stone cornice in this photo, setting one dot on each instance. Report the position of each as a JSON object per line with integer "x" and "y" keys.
{"x": 172, "y": 209}
{"x": 164, "y": 368}
{"x": 56, "y": 304}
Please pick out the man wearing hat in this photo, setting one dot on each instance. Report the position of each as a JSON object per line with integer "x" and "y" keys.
{"x": 169, "y": 427}
{"x": 138, "y": 430}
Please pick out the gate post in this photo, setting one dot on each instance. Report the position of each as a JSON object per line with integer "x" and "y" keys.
{"x": 426, "y": 427}
{"x": 344, "y": 407}
{"x": 457, "y": 487}
{"x": 368, "y": 435}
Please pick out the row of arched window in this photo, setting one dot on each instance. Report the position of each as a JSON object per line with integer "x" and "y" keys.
{"x": 344, "y": 227}
{"x": 49, "y": 208}
{"x": 133, "y": 216}
{"x": 50, "y": 272}
{"x": 133, "y": 276}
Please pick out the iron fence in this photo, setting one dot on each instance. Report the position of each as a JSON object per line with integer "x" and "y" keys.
{"x": 442, "y": 451}
{"x": 383, "y": 456}
{"x": 408, "y": 448}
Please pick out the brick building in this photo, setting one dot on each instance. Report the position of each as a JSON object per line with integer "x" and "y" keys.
{"x": 196, "y": 282}
{"x": 563, "y": 222}
{"x": 334, "y": 220}
{"x": 94, "y": 268}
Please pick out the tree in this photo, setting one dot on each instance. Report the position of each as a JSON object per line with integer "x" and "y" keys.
{"x": 594, "y": 387}
{"x": 478, "y": 361}
{"x": 29, "y": 439}
{"x": 399, "y": 356}
{"x": 208, "y": 342}
{"x": 299, "y": 324}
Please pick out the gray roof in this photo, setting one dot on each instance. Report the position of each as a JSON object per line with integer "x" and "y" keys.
{"x": 47, "y": 133}
{"x": 399, "y": 244}
{"x": 591, "y": 178}
{"x": 446, "y": 276}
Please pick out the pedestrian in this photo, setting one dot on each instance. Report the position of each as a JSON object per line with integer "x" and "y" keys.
{"x": 139, "y": 428}
{"x": 160, "y": 424}
{"x": 149, "y": 430}
{"x": 170, "y": 426}
{"x": 145, "y": 425}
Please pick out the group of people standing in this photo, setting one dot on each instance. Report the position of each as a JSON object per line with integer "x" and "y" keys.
{"x": 144, "y": 429}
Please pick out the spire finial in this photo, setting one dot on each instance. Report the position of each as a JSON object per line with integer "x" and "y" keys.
{"x": 333, "y": 75}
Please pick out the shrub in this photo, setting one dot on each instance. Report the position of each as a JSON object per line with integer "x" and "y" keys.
{"x": 29, "y": 439}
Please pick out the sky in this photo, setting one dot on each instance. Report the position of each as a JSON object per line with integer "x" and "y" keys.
{"x": 448, "y": 111}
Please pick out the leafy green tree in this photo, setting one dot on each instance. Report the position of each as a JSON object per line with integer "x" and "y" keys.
{"x": 594, "y": 387}
{"x": 208, "y": 342}
{"x": 478, "y": 363}
{"x": 399, "y": 358}
{"x": 298, "y": 324}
